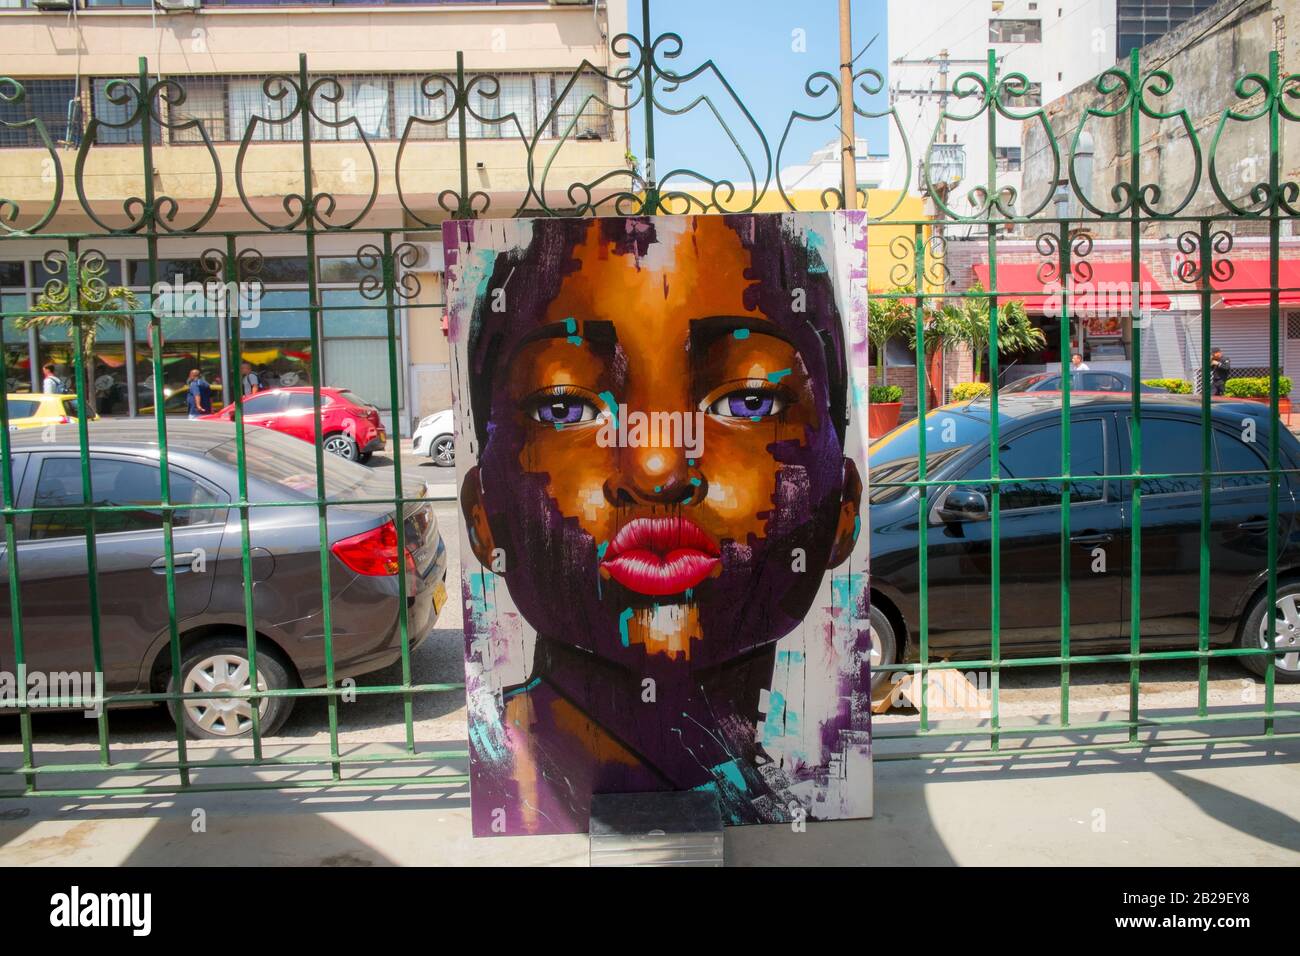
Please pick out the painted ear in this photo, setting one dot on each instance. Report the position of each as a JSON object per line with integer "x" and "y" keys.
{"x": 476, "y": 521}
{"x": 848, "y": 526}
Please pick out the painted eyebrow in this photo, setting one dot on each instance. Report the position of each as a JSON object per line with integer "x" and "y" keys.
{"x": 599, "y": 331}
{"x": 709, "y": 329}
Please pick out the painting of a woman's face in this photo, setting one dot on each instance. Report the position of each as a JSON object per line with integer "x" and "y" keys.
{"x": 705, "y": 534}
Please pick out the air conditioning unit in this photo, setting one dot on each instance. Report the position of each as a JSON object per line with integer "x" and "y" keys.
{"x": 178, "y": 6}
{"x": 53, "y": 4}
{"x": 428, "y": 257}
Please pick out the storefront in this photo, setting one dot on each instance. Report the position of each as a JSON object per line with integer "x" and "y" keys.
{"x": 275, "y": 332}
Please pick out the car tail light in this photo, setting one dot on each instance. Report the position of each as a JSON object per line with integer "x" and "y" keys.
{"x": 65, "y": 420}
{"x": 373, "y": 552}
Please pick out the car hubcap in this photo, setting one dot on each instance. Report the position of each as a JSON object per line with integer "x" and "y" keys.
{"x": 339, "y": 446}
{"x": 445, "y": 452}
{"x": 223, "y": 716}
{"x": 1287, "y": 632}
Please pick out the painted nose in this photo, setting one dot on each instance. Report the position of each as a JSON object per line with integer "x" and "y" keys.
{"x": 655, "y": 476}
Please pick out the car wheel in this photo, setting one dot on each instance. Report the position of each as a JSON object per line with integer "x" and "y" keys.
{"x": 884, "y": 647}
{"x": 221, "y": 664}
{"x": 443, "y": 451}
{"x": 1286, "y": 638}
{"x": 341, "y": 445}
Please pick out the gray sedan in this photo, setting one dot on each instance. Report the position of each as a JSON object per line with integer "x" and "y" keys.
{"x": 363, "y": 564}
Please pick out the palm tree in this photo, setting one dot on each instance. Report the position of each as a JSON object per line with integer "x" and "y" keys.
{"x": 968, "y": 323}
{"x": 887, "y": 319}
{"x": 109, "y": 304}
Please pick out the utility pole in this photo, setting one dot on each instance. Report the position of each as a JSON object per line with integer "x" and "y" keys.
{"x": 848, "y": 162}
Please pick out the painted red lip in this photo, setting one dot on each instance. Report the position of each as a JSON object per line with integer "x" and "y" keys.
{"x": 660, "y": 556}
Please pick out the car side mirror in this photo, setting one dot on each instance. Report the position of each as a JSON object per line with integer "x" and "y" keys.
{"x": 964, "y": 504}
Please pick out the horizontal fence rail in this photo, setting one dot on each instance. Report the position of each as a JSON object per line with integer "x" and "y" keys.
{"x": 343, "y": 246}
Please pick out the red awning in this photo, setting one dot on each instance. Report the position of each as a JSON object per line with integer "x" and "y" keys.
{"x": 1249, "y": 283}
{"x": 1106, "y": 291}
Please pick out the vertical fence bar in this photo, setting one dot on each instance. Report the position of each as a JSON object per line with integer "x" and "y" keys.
{"x": 403, "y": 622}
{"x": 160, "y": 417}
{"x": 1067, "y": 555}
{"x": 1275, "y": 422}
{"x": 78, "y": 331}
{"x": 234, "y": 319}
{"x": 651, "y": 205}
{"x": 1203, "y": 608}
{"x": 15, "y": 587}
{"x": 923, "y": 498}
{"x": 314, "y": 310}
{"x": 1135, "y": 358}
{"x": 995, "y": 471}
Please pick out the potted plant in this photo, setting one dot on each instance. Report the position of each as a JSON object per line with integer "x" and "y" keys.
{"x": 887, "y": 319}
{"x": 1256, "y": 390}
{"x": 883, "y": 409}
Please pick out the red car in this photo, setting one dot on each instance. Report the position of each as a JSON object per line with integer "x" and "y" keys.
{"x": 350, "y": 428}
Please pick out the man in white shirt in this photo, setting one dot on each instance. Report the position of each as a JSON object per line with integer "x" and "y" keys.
{"x": 52, "y": 384}
{"x": 249, "y": 381}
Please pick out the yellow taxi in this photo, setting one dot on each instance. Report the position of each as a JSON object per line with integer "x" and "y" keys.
{"x": 36, "y": 410}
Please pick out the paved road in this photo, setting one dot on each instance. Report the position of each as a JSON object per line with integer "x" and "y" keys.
{"x": 1027, "y": 696}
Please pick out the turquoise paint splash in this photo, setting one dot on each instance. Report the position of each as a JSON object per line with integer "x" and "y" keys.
{"x": 622, "y": 625}
{"x": 741, "y": 333}
{"x": 776, "y": 376}
{"x": 571, "y": 327}
{"x": 612, "y": 403}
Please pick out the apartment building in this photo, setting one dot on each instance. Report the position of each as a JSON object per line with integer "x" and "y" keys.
{"x": 227, "y": 147}
{"x": 1056, "y": 45}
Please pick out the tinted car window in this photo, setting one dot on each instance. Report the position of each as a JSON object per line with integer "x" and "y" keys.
{"x": 1103, "y": 382}
{"x": 114, "y": 482}
{"x": 1037, "y": 454}
{"x": 1236, "y": 455}
{"x": 301, "y": 401}
{"x": 262, "y": 404}
{"x": 1170, "y": 446}
{"x": 21, "y": 409}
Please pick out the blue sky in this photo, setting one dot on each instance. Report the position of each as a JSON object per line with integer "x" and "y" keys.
{"x": 754, "y": 44}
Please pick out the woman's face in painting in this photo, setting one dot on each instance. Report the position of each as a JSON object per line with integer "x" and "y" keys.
{"x": 701, "y": 528}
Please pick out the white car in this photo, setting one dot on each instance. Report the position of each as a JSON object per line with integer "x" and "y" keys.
{"x": 434, "y": 437}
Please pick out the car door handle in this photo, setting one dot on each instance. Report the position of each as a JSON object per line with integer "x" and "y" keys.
{"x": 1254, "y": 524}
{"x": 182, "y": 560}
{"x": 1103, "y": 538}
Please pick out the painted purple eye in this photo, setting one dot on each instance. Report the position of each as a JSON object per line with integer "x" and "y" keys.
{"x": 563, "y": 410}
{"x": 748, "y": 403}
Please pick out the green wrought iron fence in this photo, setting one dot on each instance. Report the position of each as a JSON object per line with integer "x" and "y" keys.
{"x": 152, "y": 109}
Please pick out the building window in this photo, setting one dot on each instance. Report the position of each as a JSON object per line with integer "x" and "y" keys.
{"x": 205, "y": 101}
{"x": 1015, "y": 31}
{"x": 111, "y": 103}
{"x": 1008, "y": 159}
{"x": 53, "y": 102}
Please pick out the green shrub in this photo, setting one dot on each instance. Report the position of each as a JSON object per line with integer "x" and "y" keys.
{"x": 885, "y": 394}
{"x": 968, "y": 390}
{"x": 1175, "y": 386}
{"x": 1255, "y": 387}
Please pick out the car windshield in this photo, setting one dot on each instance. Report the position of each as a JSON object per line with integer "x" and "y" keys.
{"x": 290, "y": 465}
{"x": 1027, "y": 384}
{"x": 895, "y": 456}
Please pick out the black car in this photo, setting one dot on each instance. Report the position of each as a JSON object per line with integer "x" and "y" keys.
{"x": 955, "y": 521}
{"x": 285, "y": 560}
{"x": 1081, "y": 380}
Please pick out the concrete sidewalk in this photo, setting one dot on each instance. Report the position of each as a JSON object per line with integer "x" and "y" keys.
{"x": 1234, "y": 804}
